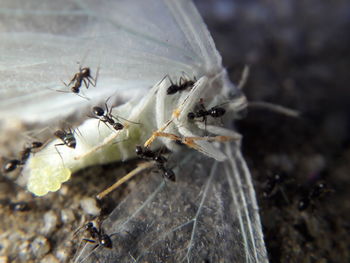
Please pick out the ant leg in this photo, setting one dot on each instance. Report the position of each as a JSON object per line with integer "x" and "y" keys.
{"x": 141, "y": 167}
{"x": 190, "y": 141}
{"x": 59, "y": 144}
{"x": 96, "y": 77}
{"x": 89, "y": 240}
{"x": 81, "y": 96}
{"x": 153, "y": 136}
{"x": 106, "y": 141}
{"x": 86, "y": 83}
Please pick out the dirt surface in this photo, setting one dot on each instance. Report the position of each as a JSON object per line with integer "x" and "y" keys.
{"x": 299, "y": 57}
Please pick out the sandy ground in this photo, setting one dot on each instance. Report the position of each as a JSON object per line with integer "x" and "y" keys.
{"x": 299, "y": 57}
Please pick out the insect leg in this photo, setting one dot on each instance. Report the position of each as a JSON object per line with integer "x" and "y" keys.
{"x": 141, "y": 167}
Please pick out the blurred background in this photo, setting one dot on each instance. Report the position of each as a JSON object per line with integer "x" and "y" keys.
{"x": 298, "y": 52}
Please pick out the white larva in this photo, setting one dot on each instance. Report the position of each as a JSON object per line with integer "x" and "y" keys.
{"x": 136, "y": 43}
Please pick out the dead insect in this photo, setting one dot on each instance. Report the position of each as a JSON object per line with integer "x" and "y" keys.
{"x": 159, "y": 159}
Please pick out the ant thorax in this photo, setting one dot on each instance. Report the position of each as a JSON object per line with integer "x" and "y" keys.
{"x": 146, "y": 120}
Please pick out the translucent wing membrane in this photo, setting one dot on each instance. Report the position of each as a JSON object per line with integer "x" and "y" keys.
{"x": 135, "y": 49}
{"x": 208, "y": 215}
{"x": 135, "y": 44}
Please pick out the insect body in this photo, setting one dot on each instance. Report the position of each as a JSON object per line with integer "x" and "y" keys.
{"x": 159, "y": 159}
{"x": 315, "y": 193}
{"x": 11, "y": 165}
{"x": 107, "y": 117}
{"x": 83, "y": 76}
{"x": 66, "y": 137}
{"x": 183, "y": 85}
{"x": 201, "y": 112}
{"x": 98, "y": 236}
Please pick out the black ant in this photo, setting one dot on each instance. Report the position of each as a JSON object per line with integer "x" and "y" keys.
{"x": 66, "y": 137}
{"x": 214, "y": 112}
{"x": 315, "y": 193}
{"x": 183, "y": 85}
{"x": 106, "y": 117}
{"x": 84, "y": 75}
{"x": 98, "y": 236}
{"x": 272, "y": 184}
{"x": 159, "y": 159}
{"x": 20, "y": 206}
{"x": 11, "y": 165}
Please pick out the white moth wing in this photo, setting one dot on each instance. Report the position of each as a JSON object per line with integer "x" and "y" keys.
{"x": 135, "y": 44}
{"x": 208, "y": 215}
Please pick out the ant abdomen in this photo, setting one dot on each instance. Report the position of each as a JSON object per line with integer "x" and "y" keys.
{"x": 98, "y": 111}
{"x": 11, "y": 165}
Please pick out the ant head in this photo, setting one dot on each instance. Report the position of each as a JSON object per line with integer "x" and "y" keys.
{"x": 36, "y": 145}
{"x": 60, "y": 134}
{"x": 169, "y": 174}
{"x": 72, "y": 144}
{"x": 160, "y": 159}
{"x": 118, "y": 126}
{"x": 98, "y": 111}
{"x": 138, "y": 150}
{"x": 89, "y": 225}
{"x": 85, "y": 71}
{"x": 216, "y": 112}
{"x": 173, "y": 88}
{"x": 191, "y": 115}
{"x": 75, "y": 89}
{"x": 106, "y": 241}
{"x": 303, "y": 204}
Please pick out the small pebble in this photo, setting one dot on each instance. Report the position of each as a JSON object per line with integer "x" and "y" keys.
{"x": 50, "y": 222}
{"x": 89, "y": 206}
{"x": 24, "y": 251}
{"x": 67, "y": 216}
{"x": 40, "y": 246}
{"x": 49, "y": 259}
{"x": 64, "y": 254}
{"x": 64, "y": 190}
{"x": 4, "y": 259}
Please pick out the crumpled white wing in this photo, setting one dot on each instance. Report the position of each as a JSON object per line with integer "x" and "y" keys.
{"x": 208, "y": 215}
{"x": 135, "y": 44}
